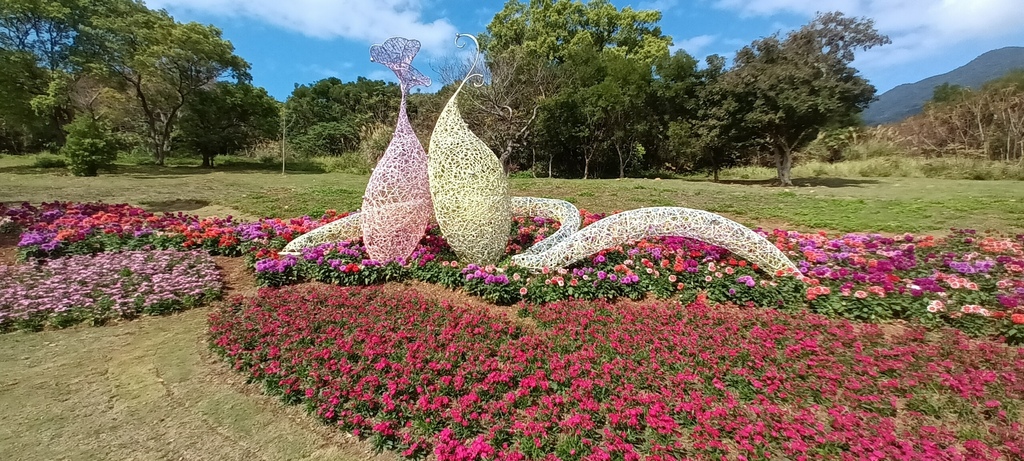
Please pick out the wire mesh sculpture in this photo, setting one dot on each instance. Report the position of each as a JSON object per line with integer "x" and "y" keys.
{"x": 468, "y": 185}
{"x": 634, "y": 225}
{"x": 396, "y": 204}
{"x": 567, "y": 215}
{"x": 462, "y": 184}
{"x": 345, "y": 229}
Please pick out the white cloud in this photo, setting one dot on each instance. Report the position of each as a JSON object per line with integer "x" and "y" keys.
{"x": 369, "y": 21}
{"x": 660, "y": 5}
{"x": 694, "y": 45}
{"x": 918, "y": 28}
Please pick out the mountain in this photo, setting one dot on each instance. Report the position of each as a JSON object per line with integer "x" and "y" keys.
{"x": 908, "y": 99}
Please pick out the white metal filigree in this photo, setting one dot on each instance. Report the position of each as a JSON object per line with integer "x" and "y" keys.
{"x": 634, "y": 225}
{"x": 348, "y": 228}
{"x": 468, "y": 186}
{"x": 567, "y": 215}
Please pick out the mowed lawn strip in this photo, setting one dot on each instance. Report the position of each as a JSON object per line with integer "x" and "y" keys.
{"x": 146, "y": 389}
{"x": 888, "y": 205}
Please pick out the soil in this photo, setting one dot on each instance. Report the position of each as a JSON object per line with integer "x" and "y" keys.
{"x": 8, "y": 249}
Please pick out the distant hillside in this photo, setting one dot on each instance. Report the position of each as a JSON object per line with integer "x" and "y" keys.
{"x": 908, "y": 99}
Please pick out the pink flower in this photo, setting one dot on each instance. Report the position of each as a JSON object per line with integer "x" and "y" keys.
{"x": 936, "y": 306}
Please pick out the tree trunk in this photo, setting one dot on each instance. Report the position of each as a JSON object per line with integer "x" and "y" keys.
{"x": 207, "y": 161}
{"x": 551, "y": 159}
{"x": 533, "y": 166}
{"x": 714, "y": 165}
{"x": 783, "y": 165}
{"x": 586, "y": 167}
{"x": 622, "y": 162}
{"x": 506, "y": 154}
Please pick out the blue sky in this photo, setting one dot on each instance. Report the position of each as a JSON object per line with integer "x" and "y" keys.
{"x": 302, "y": 41}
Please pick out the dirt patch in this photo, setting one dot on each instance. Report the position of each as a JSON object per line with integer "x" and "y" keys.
{"x": 8, "y": 249}
{"x": 460, "y": 297}
{"x": 238, "y": 279}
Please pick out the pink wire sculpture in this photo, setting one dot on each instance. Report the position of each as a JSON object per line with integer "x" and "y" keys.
{"x": 396, "y": 204}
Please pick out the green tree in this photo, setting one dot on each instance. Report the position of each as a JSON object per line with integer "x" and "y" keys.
{"x": 46, "y": 31}
{"x": 89, "y": 146}
{"x": 228, "y": 117}
{"x": 619, "y": 107}
{"x": 162, "y": 62}
{"x": 598, "y": 60}
{"x": 947, "y": 93}
{"x": 328, "y": 117}
{"x": 21, "y": 80}
{"x": 791, "y": 88}
{"x": 551, "y": 29}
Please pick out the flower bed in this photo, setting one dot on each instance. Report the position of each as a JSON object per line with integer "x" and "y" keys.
{"x": 965, "y": 280}
{"x": 597, "y": 381}
{"x": 63, "y": 228}
{"x": 67, "y": 291}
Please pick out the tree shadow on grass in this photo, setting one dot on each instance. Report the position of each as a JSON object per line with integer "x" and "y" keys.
{"x": 174, "y": 206}
{"x": 805, "y": 182}
{"x": 29, "y": 169}
{"x": 152, "y": 171}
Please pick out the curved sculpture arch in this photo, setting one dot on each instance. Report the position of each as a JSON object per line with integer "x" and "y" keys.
{"x": 634, "y": 225}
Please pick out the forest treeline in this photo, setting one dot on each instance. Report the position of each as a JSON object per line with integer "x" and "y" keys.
{"x": 571, "y": 89}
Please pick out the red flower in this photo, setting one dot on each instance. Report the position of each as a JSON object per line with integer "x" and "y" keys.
{"x": 1017, "y": 319}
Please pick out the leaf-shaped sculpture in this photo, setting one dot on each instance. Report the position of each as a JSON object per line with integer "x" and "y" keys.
{"x": 469, "y": 188}
{"x": 396, "y": 203}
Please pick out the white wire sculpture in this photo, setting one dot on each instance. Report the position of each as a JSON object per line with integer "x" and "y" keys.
{"x": 567, "y": 215}
{"x": 468, "y": 185}
{"x": 468, "y": 191}
{"x": 345, "y": 229}
{"x": 634, "y": 225}
{"x": 396, "y": 204}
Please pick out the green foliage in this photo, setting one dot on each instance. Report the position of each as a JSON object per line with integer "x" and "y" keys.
{"x": 946, "y": 93}
{"x": 789, "y": 89}
{"x": 47, "y": 161}
{"x": 553, "y": 29}
{"x": 329, "y": 117}
{"x": 88, "y": 148}
{"x": 327, "y": 138}
{"x": 227, "y": 118}
{"x": 163, "y": 63}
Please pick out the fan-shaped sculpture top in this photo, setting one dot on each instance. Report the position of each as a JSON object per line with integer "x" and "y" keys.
{"x": 469, "y": 189}
{"x": 396, "y": 204}
{"x": 396, "y": 53}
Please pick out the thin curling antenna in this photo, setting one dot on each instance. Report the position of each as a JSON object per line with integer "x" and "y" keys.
{"x": 476, "y": 60}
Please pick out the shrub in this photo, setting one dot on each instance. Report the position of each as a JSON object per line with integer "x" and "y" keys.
{"x": 89, "y": 147}
{"x": 349, "y": 162}
{"x": 48, "y": 161}
{"x": 374, "y": 140}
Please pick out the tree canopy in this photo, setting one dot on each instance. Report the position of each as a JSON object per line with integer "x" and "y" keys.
{"x": 573, "y": 87}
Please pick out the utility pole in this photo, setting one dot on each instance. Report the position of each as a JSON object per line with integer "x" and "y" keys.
{"x": 284, "y": 134}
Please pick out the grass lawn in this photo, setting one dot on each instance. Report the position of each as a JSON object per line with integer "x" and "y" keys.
{"x": 146, "y": 389}
{"x": 891, "y": 205}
